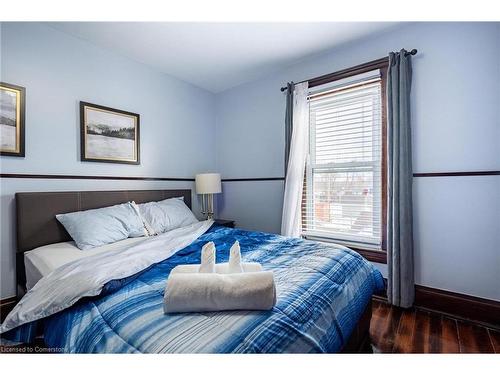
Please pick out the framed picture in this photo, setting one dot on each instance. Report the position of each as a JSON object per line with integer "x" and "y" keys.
{"x": 109, "y": 135}
{"x": 12, "y": 108}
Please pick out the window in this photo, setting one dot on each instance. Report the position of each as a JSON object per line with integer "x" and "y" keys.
{"x": 344, "y": 194}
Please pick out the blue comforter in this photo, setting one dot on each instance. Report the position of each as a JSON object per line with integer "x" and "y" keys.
{"x": 322, "y": 291}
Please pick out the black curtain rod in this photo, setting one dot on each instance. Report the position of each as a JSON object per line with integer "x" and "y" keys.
{"x": 374, "y": 62}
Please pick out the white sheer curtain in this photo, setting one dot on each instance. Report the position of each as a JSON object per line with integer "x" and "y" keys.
{"x": 290, "y": 221}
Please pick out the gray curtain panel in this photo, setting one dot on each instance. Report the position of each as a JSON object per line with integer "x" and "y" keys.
{"x": 401, "y": 287}
{"x": 288, "y": 121}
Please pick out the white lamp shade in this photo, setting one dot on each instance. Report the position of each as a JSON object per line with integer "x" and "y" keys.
{"x": 208, "y": 183}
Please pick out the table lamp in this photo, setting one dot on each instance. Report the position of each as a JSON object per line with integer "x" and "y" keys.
{"x": 208, "y": 184}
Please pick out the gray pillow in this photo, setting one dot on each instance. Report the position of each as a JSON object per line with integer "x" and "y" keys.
{"x": 101, "y": 226}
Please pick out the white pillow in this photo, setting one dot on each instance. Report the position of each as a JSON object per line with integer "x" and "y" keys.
{"x": 98, "y": 227}
{"x": 160, "y": 217}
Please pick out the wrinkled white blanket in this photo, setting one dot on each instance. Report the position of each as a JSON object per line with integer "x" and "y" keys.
{"x": 86, "y": 277}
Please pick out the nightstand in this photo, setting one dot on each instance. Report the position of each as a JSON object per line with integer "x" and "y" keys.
{"x": 224, "y": 223}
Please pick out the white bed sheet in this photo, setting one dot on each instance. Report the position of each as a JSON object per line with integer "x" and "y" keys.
{"x": 87, "y": 276}
{"x": 43, "y": 260}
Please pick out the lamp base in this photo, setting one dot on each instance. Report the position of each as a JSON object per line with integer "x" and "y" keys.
{"x": 207, "y": 205}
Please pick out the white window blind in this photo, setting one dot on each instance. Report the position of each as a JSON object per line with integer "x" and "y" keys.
{"x": 342, "y": 193}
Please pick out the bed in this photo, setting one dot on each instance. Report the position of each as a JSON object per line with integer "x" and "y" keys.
{"x": 323, "y": 305}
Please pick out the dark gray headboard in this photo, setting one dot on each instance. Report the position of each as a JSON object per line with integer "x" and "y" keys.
{"x": 37, "y": 225}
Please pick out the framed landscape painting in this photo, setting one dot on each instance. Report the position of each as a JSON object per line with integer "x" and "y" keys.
{"x": 109, "y": 135}
{"x": 12, "y": 108}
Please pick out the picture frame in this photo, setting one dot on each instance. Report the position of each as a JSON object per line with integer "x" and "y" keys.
{"x": 109, "y": 135}
{"x": 12, "y": 119}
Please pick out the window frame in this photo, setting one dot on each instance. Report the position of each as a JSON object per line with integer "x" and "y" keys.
{"x": 379, "y": 255}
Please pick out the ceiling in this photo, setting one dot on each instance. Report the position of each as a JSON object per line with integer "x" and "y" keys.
{"x": 218, "y": 56}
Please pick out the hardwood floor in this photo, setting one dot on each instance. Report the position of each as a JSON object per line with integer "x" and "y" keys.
{"x": 395, "y": 330}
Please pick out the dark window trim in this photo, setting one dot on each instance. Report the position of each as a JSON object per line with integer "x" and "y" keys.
{"x": 344, "y": 73}
{"x": 378, "y": 256}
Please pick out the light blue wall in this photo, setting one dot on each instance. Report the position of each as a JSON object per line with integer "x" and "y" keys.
{"x": 58, "y": 70}
{"x": 456, "y": 127}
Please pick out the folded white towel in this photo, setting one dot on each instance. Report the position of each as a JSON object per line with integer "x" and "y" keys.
{"x": 207, "y": 258}
{"x": 221, "y": 268}
{"x": 191, "y": 292}
{"x": 235, "y": 258}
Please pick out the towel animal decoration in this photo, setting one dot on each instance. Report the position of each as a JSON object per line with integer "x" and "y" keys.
{"x": 234, "y": 285}
{"x": 207, "y": 258}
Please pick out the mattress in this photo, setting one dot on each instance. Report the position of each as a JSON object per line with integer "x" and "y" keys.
{"x": 43, "y": 260}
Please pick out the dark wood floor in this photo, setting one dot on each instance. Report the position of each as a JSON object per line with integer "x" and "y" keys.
{"x": 395, "y": 330}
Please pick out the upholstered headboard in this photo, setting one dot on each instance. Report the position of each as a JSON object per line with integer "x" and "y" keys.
{"x": 37, "y": 225}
